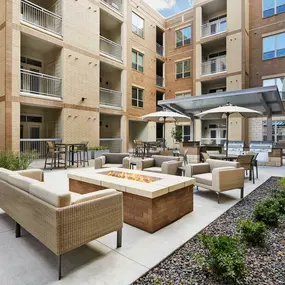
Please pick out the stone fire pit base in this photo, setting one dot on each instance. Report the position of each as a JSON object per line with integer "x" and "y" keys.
{"x": 153, "y": 214}
{"x": 148, "y": 214}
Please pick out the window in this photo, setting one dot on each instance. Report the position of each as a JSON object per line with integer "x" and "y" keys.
{"x": 137, "y": 97}
{"x": 272, "y": 7}
{"x": 279, "y": 82}
{"x": 278, "y": 131}
{"x": 183, "y": 37}
{"x": 274, "y": 46}
{"x": 183, "y": 69}
{"x": 137, "y": 25}
{"x": 137, "y": 61}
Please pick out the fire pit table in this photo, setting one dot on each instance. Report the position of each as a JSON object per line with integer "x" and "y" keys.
{"x": 151, "y": 200}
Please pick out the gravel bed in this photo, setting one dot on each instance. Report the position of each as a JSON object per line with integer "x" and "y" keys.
{"x": 265, "y": 265}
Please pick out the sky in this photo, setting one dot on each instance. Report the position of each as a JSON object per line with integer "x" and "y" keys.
{"x": 170, "y": 7}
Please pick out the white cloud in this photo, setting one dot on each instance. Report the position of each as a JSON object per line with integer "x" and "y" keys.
{"x": 161, "y": 4}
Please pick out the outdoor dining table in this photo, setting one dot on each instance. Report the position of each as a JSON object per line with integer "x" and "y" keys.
{"x": 221, "y": 156}
{"x": 67, "y": 147}
{"x": 147, "y": 146}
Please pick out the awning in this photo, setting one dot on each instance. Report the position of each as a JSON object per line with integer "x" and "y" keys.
{"x": 263, "y": 99}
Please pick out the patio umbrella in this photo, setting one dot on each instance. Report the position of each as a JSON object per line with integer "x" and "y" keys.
{"x": 226, "y": 111}
{"x": 165, "y": 117}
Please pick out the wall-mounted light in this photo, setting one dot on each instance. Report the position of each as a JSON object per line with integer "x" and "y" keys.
{"x": 83, "y": 99}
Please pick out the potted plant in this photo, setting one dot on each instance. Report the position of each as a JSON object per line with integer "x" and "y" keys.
{"x": 97, "y": 151}
{"x": 176, "y": 134}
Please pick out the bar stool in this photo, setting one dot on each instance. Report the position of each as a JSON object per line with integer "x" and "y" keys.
{"x": 54, "y": 154}
{"x": 84, "y": 149}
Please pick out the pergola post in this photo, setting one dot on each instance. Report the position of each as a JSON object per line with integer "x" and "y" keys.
{"x": 269, "y": 128}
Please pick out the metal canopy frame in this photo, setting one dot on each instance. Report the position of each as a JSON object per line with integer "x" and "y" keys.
{"x": 263, "y": 99}
{"x": 266, "y": 100}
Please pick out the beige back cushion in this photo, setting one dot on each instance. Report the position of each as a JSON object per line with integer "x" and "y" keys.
{"x": 36, "y": 174}
{"x": 78, "y": 198}
{"x": 56, "y": 197}
{"x": 5, "y": 173}
{"x": 21, "y": 182}
{"x": 214, "y": 163}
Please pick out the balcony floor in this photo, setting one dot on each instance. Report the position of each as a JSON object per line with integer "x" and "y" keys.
{"x": 26, "y": 261}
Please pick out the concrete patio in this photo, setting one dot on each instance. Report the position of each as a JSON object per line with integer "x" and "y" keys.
{"x": 27, "y": 261}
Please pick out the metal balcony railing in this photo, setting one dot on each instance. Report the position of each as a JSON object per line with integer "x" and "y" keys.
{"x": 159, "y": 81}
{"x": 40, "y": 84}
{"x": 110, "y": 48}
{"x": 37, "y": 146}
{"x": 138, "y": 31}
{"x": 159, "y": 49}
{"x": 213, "y": 66}
{"x": 110, "y": 97}
{"x": 214, "y": 27}
{"x": 113, "y": 144}
{"x": 114, "y": 4}
{"x": 40, "y": 17}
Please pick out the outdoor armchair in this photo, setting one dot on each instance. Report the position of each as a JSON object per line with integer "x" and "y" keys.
{"x": 217, "y": 175}
{"x": 109, "y": 160}
{"x": 160, "y": 164}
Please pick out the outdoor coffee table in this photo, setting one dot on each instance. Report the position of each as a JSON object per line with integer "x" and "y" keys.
{"x": 150, "y": 204}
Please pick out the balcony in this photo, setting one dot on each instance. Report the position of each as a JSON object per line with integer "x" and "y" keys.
{"x": 217, "y": 65}
{"x": 41, "y": 17}
{"x": 111, "y": 98}
{"x": 159, "y": 81}
{"x": 110, "y": 48}
{"x": 114, "y": 4}
{"x": 138, "y": 31}
{"x": 40, "y": 84}
{"x": 159, "y": 49}
{"x": 214, "y": 28}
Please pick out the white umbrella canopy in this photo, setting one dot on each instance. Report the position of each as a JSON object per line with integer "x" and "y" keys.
{"x": 168, "y": 116}
{"x": 226, "y": 111}
{"x": 165, "y": 117}
{"x": 219, "y": 112}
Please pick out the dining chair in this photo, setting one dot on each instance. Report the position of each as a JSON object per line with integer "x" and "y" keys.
{"x": 246, "y": 161}
{"x": 53, "y": 153}
{"x": 138, "y": 148}
{"x": 75, "y": 152}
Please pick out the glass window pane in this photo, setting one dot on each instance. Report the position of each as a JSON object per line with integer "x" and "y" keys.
{"x": 134, "y": 57}
{"x": 187, "y": 33}
{"x": 280, "y": 41}
{"x": 280, "y": 2}
{"x": 269, "y": 55}
{"x": 134, "y": 93}
{"x": 268, "y": 4}
{"x": 268, "y": 13}
{"x": 141, "y": 104}
{"x": 179, "y": 36}
{"x": 179, "y": 67}
{"x": 268, "y": 82}
{"x": 280, "y": 9}
{"x": 281, "y": 52}
{"x": 134, "y": 103}
{"x": 268, "y": 44}
{"x": 140, "y": 94}
{"x": 140, "y": 60}
{"x": 280, "y": 82}
{"x": 187, "y": 66}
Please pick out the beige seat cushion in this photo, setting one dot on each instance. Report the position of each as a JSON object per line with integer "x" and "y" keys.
{"x": 205, "y": 178}
{"x": 56, "y": 197}
{"x": 110, "y": 165}
{"x": 78, "y": 198}
{"x": 153, "y": 169}
{"x": 5, "y": 173}
{"x": 21, "y": 181}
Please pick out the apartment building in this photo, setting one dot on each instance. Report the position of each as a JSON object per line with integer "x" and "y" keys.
{"x": 88, "y": 70}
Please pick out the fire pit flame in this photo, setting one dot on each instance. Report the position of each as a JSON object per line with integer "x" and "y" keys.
{"x": 131, "y": 176}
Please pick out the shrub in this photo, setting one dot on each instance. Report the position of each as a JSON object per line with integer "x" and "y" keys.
{"x": 15, "y": 161}
{"x": 267, "y": 211}
{"x": 282, "y": 182}
{"x": 98, "y": 148}
{"x": 224, "y": 256}
{"x": 253, "y": 233}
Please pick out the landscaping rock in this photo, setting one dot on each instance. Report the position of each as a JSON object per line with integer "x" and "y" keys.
{"x": 266, "y": 266}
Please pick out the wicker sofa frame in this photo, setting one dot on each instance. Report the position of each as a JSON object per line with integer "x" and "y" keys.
{"x": 62, "y": 229}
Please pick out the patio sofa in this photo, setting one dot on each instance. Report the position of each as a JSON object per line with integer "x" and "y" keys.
{"x": 108, "y": 160}
{"x": 160, "y": 164}
{"x": 217, "y": 175}
{"x": 61, "y": 220}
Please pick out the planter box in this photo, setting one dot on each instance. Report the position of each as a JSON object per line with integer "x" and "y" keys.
{"x": 97, "y": 153}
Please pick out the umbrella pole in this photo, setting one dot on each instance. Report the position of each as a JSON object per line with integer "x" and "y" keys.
{"x": 227, "y": 141}
{"x": 164, "y": 133}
